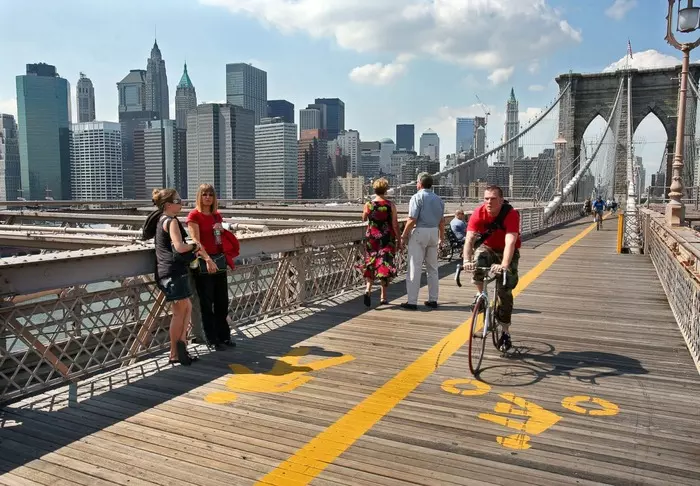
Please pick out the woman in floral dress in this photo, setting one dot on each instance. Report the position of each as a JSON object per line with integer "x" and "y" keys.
{"x": 381, "y": 240}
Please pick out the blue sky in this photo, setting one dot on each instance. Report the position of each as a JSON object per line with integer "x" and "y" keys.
{"x": 402, "y": 61}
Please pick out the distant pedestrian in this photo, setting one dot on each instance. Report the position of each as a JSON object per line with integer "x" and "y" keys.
{"x": 424, "y": 232}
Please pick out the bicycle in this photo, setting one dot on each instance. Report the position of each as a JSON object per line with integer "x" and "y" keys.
{"x": 598, "y": 221}
{"x": 483, "y": 319}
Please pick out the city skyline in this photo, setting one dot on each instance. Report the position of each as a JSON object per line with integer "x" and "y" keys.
{"x": 368, "y": 84}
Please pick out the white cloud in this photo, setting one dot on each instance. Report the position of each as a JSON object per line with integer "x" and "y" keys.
{"x": 9, "y": 106}
{"x": 501, "y": 75}
{"x": 377, "y": 73}
{"x": 534, "y": 67}
{"x": 619, "y": 9}
{"x": 500, "y": 33}
{"x": 644, "y": 60}
{"x": 536, "y": 87}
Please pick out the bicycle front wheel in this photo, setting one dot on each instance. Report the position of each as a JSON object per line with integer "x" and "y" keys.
{"x": 479, "y": 330}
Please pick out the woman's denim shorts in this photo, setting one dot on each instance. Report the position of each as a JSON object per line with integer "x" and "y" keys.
{"x": 175, "y": 288}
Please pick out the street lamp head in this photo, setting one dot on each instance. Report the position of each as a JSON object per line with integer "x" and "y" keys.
{"x": 688, "y": 17}
{"x": 688, "y": 21}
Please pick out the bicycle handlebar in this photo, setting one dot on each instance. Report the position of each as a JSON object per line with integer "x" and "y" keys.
{"x": 483, "y": 269}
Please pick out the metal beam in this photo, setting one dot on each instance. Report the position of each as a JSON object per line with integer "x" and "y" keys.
{"x": 36, "y": 273}
{"x": 29, "y": 229}
{"x": 60, "y": 241}
{"x": 137, "y": 220}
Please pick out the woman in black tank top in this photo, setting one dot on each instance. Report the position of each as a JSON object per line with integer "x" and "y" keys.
{"x": 171, "y": 270}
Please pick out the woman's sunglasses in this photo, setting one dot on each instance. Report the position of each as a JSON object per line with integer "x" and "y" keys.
{"x": 208, "y": 194}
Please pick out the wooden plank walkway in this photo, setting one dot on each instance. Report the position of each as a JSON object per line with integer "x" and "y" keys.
{"x": 600, "y": 389}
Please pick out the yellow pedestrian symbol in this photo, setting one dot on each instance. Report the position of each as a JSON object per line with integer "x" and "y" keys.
{"x": 286, "y": 375}
{"x": 536, "y": 421}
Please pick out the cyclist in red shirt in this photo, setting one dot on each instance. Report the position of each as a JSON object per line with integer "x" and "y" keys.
{"x": 490, "y": 244}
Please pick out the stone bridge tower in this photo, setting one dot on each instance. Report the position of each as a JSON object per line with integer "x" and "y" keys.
{"x": 653, "y": 91}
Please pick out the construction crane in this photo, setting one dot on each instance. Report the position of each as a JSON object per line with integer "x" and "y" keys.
{"x": 484, "y": 107}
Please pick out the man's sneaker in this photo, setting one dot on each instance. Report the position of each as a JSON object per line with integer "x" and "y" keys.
{"x": 504, "y": 343}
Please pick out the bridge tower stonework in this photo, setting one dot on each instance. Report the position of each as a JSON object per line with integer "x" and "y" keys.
{"x": 653, "y": 91}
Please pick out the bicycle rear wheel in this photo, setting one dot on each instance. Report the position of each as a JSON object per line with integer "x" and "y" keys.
{"x": 477, "y": 339}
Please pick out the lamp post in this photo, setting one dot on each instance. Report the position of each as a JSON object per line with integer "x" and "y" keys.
{"x": 688, "y": 21}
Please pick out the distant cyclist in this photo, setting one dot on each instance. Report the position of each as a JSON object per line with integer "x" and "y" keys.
{"x": 598, "y": 208}
{"x": 613, "y": 206}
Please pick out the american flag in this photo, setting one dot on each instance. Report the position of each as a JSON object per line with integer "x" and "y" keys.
{"x": 629, "y": 49}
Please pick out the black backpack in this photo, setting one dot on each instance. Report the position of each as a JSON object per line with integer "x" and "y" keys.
{"x": 496, "y": 224}
{"x": 149, "y": 227}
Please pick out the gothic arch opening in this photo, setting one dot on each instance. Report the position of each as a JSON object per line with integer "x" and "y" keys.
{"x": 597, "y": 173}
{"x": 649, "y": 142}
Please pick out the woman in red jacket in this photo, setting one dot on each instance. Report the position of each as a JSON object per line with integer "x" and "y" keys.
{"x": 205, "y": 227}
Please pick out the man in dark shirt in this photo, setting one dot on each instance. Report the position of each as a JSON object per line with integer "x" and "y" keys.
{"x": 500, "y": 251}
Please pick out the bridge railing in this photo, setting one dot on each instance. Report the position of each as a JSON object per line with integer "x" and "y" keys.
{"x": 67, "y": 315}
{"x": 675, "y": 253}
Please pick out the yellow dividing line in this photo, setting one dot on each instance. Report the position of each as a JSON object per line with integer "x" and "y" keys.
{"x": 309, "y": 461}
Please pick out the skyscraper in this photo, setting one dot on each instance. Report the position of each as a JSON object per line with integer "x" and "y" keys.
{"x": 405, "y": 137}
{"x": 185, "y": 99}
{"x": 349, "y": 143}
{"x": 512, "y": 128}
{"x": 465, "y": 134}
{"x": 430, "y": 145}
{"x": 132, "y": 91}
{"x": 310, "y": 119}
{"x": 132, "y": 116}
{"x": 480, "y": 141}
{"x": 157, "y": 96}
{"x": 221, "y": 150}
{"x": 313, "y": 165}
{"x": 246, "y": 86}
{"x": 333, "y": 118}
{"x": 276, "y": 160}
{"x": 43, "y": 106}
{"x": 281, "y": 109}
{"x": 387, "y": 148}
{"x": 370, "y": 159}
{"x": 96, "y": 161}
{"x": 156, "y": 173}
{"x": 641, "y": 174}
{"x": 85, "y": 94}
{"x": 10, "y": 179}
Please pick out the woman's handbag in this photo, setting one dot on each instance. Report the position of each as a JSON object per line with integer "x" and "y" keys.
{"x": 219, "y": 260}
